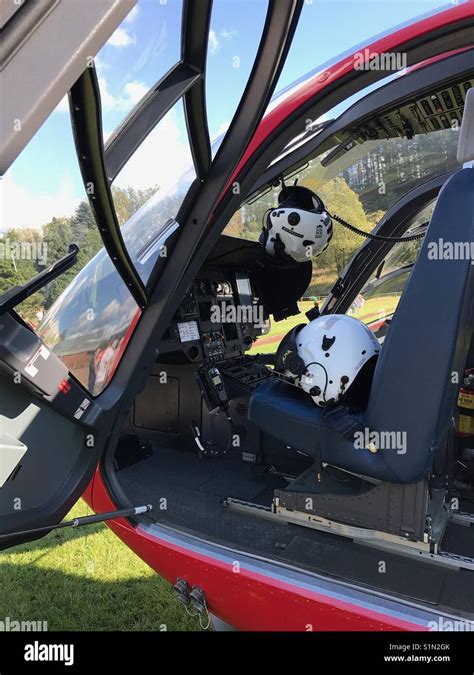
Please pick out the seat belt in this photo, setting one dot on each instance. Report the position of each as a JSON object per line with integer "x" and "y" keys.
{"x": 343, "y": 422}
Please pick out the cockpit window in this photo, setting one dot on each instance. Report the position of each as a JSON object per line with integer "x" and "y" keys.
{"x": 89, "y": 325}
{"x": 359, "y": 186}
{"x": 157, "y": 176}
{"x": 234, "y": 37}
{"x": 91, "y": 322}
{"x": 40, "y": 192}
{"x": 377, "y": 303}
{"x": 378, "y": 300}
{"x": 142, "y": 49}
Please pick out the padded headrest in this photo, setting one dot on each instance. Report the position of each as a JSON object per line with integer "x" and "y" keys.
{"x": 466, "y": 134}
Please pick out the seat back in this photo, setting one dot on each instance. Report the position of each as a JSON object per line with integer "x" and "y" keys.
{"x": 421, "y": 363}
{"x": 423, "y": 356}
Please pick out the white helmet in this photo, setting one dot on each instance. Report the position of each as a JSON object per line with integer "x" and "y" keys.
{"x": 299, "y": 227}
{"x": 328, "y": 355}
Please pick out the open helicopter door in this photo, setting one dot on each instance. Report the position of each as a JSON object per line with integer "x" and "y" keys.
{"x": 51, "y": 431}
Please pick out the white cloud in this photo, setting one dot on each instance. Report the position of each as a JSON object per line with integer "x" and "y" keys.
{"x": 107, "y": 99}
{"x": 132, "y": 93}
{"x": 227, "y": 34}
{"x": 121, "y": 38}
{"x": 63, "y": 105}
{"x": 100, "y": 64}
{"x": 135, "y": 91}
{"x": 131, "y": 16}
{"x": 215, "y": 39}
{"x": 159, "y": 159}
{"x": 223, "y": 126}
{"x": 221, "y": 129}
{"x": 214, "y": 43}
{"x": 20, "y": 208}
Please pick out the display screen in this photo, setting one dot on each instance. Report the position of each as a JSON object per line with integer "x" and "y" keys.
{"x": 188, "y": 331}
{"x": 244, "y": 289}
{"x": 230, "y": 331}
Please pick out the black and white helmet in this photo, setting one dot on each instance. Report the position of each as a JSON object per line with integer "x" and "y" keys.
{"x": 299, "y": 227}
{"x": 329, "y": 357}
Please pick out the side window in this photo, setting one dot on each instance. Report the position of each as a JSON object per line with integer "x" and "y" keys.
{"x": 90, "y": 324}
{"x": 137, "y": 55}
{"x": 378, "y": 300}
{"x": 376, "y": 303}
{"x": 84, "y": 315}
{"x": 152, "y": 185}
{"x": 234, "y": 37}
{"x": 44, "y": 209}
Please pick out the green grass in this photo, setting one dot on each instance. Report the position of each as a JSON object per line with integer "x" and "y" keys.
{"x": 87, "y": 579}
{"x": 269, "y": 343}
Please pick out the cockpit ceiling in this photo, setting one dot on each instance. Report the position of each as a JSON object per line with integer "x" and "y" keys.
{"x": 439, "y": 109}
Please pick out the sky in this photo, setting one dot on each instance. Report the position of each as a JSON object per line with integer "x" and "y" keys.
{"x": 45, "y": 181}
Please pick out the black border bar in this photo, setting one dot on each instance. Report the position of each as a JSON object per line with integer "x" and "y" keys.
{"x": 194, "y": 41}
{"x": 86, "y": 120}
{"x": 145, "y": 116}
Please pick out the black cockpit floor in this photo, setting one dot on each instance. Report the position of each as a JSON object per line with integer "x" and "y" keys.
{"x": 186, "y": 493}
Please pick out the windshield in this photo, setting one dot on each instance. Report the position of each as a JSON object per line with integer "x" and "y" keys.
{"x": 90, "y": 324}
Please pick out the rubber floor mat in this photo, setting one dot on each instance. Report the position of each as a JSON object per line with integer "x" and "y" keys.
{"x": 227, "y": 486}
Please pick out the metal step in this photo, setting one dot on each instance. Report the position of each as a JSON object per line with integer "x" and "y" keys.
{"x": 462, "y": 518}
{"x": 366, "y": 537}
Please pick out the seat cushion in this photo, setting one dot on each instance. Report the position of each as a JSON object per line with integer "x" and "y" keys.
{"x": 286, "y": 413}
{"x": 290, "y": 415}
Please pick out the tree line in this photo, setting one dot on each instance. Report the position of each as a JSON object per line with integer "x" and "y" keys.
{"x": 19, "y": 247}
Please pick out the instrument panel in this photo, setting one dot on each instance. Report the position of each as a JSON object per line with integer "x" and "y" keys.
{"x": 218, "y": 319}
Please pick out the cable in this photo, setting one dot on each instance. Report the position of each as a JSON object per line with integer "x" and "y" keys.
{"x": 231, "y": 430}
{"x": 316, "y": 363}
{"x": 377, "y": 237}
{"x": 197, "y": 436}
{"x": 206, "y": 448}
